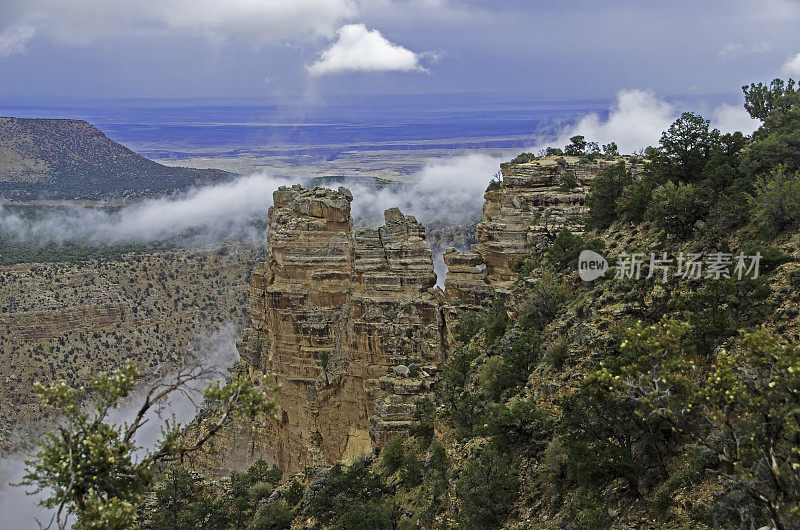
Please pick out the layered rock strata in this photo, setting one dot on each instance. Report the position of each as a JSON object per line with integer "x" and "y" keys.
{"x": 333, "y": 313}
{"x": 348, "y": 320}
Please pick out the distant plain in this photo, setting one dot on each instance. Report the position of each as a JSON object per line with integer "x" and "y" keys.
{"x": 389, "y": 137}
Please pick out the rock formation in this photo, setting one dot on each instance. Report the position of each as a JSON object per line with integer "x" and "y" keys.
{"x": 350, "y": 323}
{"x": 339, "y": 317}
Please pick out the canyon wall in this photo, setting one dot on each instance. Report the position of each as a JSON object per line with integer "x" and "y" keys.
{"x": 350, "y": 322}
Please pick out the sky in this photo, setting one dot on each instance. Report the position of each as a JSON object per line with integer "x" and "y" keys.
{"x": 545, "y": 49}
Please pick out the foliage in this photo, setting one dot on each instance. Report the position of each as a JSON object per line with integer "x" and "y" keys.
{"x": 761, "y": 101}
{"x": 87, "y": 465}
{"x": 565, "y": 249}
{"x": 676, "y": 208}
{"x": 604, "y": 194}
{"x": 273, "y": 516}
{"x": 557, "y": 353}
{"x": 750, "y": 399}
{"x": 349, "y": 495}
{"x": 717, "y": 310}
{"x": 523, "y": 158}
{"x": 605, "y": 431}
{"x": 294, "y": 493}
{"x": 462, "y": 408}
{"x": 486, "y": 489}
{"x": 411, "y": 470}
{"x": 520, "y": 423}
{"x": 392, "y": 455}
{"x": 777, "y": 141}
{"x": 588, "y": 513}
{"x": 182, "y": 504}
{"x": 424, "y": 417}
{"x": 611, "y": 149}
{"x": 776, "y": 201}
{"x": 568, "y": 181}
{"x": 543, "y": 301}
{"x": 469, "y": 324}
{"x": 576, "y": 147}
{"x": 686, "y": 147}
{"x": 496, "y": 320}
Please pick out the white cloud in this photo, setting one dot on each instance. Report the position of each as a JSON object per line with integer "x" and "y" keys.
{"x": 13, "y": 39}
{"x": 732, "y": 118}
{"x": 259, "y": 20}
{"x": 792, "y": 65}
{"x": 359, "y": 49}
{"x": 636, "y": 120}
{"x": 735, "y": 50}
{"x": 81, "y": 22}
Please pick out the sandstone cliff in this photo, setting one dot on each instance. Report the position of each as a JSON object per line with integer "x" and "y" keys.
{"x": 338, "y": 316}
{"x": 350, "y": 323}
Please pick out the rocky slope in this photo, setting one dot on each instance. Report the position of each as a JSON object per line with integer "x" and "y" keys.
{"x": 70, "y": 159}
{"x": 350, "y": 323}
{"x": 63, "y": 321}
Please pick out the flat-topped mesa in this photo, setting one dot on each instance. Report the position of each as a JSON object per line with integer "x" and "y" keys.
{"x": 332, "y": 314}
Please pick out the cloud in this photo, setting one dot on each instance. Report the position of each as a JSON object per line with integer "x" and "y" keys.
{"x": 14, "y": 38}
{"x": 81, "y": 22}
{"x": 732, "y": 118}
{"x": 448, "y": 191}
{"x": 736, "y": 50}
{"x": 443, "y": 192}
{"x": 259, "y": 20}
{"x": 638, "y": 117}
{"x": 358, "y": 49}
{"x": 210, "y": 214}
{"x": 635, "y": 121}
{"x": 792, "y": 65}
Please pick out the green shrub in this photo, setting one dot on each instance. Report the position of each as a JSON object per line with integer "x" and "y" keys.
{"x": 496, "y": 320}
{"x": 542, "y": 303}
{"x": 776, "y": 201}
{"x": 676, "y": 208}
{"x": 565, "y": 249}
{"x": 392, "y": 455}
{"x": 568, "y": 181}
{"x": 294, "y": 493}
{"x": 588, "y": 513}
{"x": 523, "y": 158}
{"x": 495, "y": 377}
{"x": 557, "y": 353}
{"x": 794, "y": 279}
{"x": 273, "y": 516}
{"x": 771, "y": 256}
{"x": 469, "y": 324}
{"x": 371, "y": 515}
{"x": 411, "y": 470}
{"x": 487, "y": 489}
{"x": 438, "y": 463}
{"x": 347, "y": 494}
{"x": 521, "y": 423}
{"x": 577, "y": 146}
{"x": 261, "y": 472}
{"x": 632, "y": 204}
{"x": 603, "y": 196}
{"x": 716, "y": 311}
{"x": 424, "y": 417}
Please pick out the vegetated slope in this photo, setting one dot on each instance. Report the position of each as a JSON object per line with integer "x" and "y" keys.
{"x": 71, "y": 159}
{"x": 68, "y": 320}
